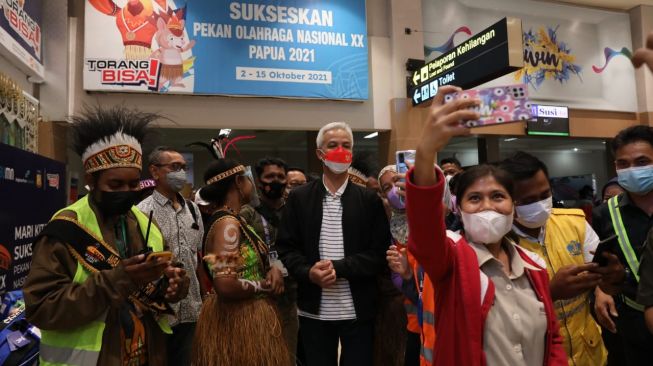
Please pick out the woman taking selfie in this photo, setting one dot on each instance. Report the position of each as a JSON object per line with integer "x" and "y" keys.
{"x": 493, "y": 305}
{"x": 238, "y": 324}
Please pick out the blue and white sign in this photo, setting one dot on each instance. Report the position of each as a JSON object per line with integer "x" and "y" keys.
{"x": 20, "y": 33}
{"x": 282, "y": 48}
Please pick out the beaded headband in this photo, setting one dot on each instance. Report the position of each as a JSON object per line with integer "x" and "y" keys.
{"x": 226, "y": 174}
{"x": 116, "y": 151}
{"x": 121, "y": 156}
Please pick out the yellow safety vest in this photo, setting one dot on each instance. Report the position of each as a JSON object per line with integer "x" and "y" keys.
{"x": 81, "y": 346}
{"x": 563, "y": 245}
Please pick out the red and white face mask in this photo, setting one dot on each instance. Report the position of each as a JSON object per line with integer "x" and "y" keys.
{"x": 337, "y": 160}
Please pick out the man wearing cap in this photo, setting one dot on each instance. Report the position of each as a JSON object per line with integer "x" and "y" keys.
{"x": 101, "y": 285}
{"x": 181, "y": 225}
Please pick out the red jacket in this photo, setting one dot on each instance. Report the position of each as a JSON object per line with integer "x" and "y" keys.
{"x": 452, "y": 265}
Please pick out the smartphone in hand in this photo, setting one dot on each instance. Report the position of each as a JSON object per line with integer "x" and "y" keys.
{"x": 501, "y": 104}
{"x": 609, "y": 245}
{"x": 404, "y": 160}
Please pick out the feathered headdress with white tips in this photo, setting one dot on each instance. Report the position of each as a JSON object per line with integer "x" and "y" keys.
{"x": 108, "y": 138}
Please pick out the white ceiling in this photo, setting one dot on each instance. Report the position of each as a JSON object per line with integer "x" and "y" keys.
{"x": 606, "y": 4}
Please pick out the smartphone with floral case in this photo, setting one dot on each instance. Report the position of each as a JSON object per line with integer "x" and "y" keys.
{"x": 500, "y": 104}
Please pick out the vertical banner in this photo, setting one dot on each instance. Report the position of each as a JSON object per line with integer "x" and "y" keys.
{"x": 32, "y": 189}
{"x": 280, "y": 48}
{"x": 20, "y": 32}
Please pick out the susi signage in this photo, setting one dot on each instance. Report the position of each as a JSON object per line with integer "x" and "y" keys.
{"x": 283, "y": 48}
{"x": 549, "y": 121}
{"x": 493, "y": 52}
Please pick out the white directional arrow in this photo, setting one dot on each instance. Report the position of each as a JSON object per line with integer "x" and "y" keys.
{"x": 417, "y": 96}
{"x": 416, "y": 76}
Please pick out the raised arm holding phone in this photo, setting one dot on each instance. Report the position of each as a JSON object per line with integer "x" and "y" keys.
{"x": 488, "y": 285}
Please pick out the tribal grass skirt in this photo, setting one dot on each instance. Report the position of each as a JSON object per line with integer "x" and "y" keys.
{"x": 243, "y": 333}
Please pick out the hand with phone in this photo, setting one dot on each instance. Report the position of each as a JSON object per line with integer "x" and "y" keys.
{"x": 571, "y": 281}
{"x": 444, "y": 121}
{"x": 609, "y": 266}
{"x": 142, "y": 270}
{"x": 613, "y": 274}
{"x": 405, "y": 160}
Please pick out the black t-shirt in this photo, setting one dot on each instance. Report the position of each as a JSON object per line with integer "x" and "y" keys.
{"x": 637, "y": 224}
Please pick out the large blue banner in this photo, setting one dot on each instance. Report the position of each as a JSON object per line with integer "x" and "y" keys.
{"x": 32, "y": 189}
{"x": 284, "y": 48}
{"x": 20, "y": 31}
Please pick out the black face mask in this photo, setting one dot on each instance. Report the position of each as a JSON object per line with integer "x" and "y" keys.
{"x": 273, "y": 190}
{"x": 116, "y": 203}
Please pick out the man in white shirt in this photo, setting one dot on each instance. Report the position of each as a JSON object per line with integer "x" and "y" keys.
{"x": 333, "y": 238}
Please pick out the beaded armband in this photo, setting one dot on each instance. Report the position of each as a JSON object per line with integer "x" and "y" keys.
{"x": 224, "y": 265}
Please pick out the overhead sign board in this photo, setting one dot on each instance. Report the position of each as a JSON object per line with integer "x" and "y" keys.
{"x": 550, "y": 121}
{"x": 491, "y": 53}
{"x": 20, "y": 34}
{"x": 279, "y": 48}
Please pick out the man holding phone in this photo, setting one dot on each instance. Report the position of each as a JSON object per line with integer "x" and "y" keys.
{"x": 94, "y": 293}
{"x": 628, "y": 217}
{"x": 564, "y": 239}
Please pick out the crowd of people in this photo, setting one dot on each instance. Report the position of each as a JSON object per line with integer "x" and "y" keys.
{"x": 438, "y": 266}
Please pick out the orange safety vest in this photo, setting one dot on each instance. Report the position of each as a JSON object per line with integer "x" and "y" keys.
{"x": 425, "y": 320}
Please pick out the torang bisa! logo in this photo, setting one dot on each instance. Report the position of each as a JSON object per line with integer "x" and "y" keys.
{"x": 127, "y": 72}
{"x": 28, "y": 29}
{"x": 5, "y": 258}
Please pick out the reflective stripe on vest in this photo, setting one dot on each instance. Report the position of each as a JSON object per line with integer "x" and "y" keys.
{"x": 81, "y": 346}
{"x": 427, "y": 354}
{"x": 428, "y": 317}
{"x": 622, "y": 236}
{"x": 410, "y": 308}
{"x": 67, "y": 356}
{"x": 632, "y": 303}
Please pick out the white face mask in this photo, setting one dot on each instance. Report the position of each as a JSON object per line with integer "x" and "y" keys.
{"x": 534, "y": 215}
{"x": 486, "y": 227}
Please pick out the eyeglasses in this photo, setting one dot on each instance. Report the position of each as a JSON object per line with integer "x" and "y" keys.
{"x": 175, "y": 167}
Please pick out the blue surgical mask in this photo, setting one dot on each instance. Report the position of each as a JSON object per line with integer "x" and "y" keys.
{"x": 638, "y": 180}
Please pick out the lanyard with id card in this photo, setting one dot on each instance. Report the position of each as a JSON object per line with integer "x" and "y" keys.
{"x": 273, "y": 256}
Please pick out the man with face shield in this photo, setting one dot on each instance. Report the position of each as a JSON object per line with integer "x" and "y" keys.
{"x": 100, "y": 284}
{"x": 332, "y": 239}
{"x": 271, "y": 181}
{"x": 181, "y": 225}
{"x": 567, "y": 243}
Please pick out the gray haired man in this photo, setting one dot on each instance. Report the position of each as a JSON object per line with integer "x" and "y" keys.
{"x": 180, "y": 221}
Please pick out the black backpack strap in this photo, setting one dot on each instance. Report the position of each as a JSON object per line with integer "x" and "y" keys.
{"x": 191, "y": 208}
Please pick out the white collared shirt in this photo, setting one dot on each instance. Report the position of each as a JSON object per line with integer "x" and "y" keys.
{"x": 515, "y": 328}
{"x": 590, "y": 243}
